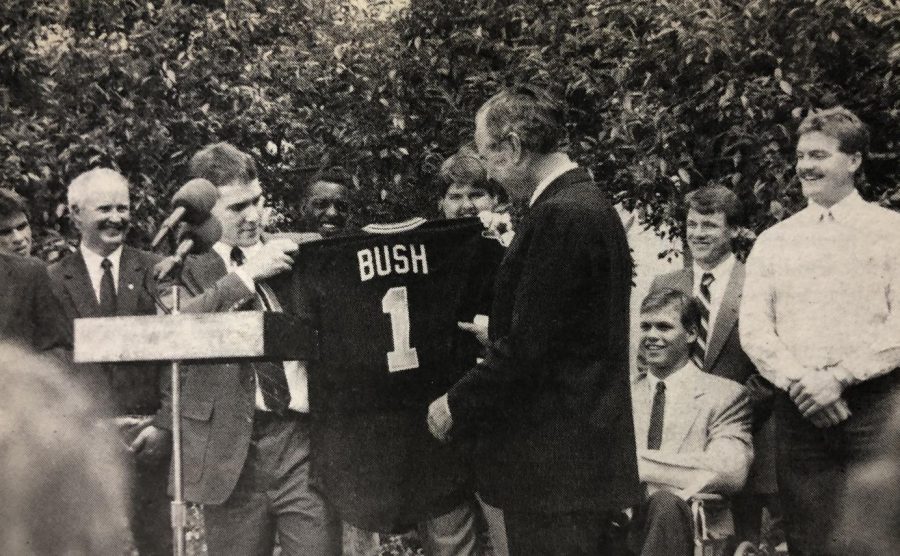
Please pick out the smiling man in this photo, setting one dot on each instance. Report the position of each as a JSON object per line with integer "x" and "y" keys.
{"x": 15, "y": 230}
{"x": 675, "y": 458}
{"x": 467, "y": 189}
{"x": 820, "y": 318}
{"x": 716, "y": 279}
{"x": 325, "y": 203}
{"x": 105, "y": 278}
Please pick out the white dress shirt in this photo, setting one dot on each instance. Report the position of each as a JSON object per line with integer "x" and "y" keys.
{"x": 677, "y": 389}
{"x": 823, "y": 289}
{"x": 294, "y": 371}
{"x": 564, "y": 166}
{"x": 721, "y": 276}
{"x": 93, "y": 262}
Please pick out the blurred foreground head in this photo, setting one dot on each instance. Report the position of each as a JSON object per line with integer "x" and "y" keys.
{"x": 61, "y": 479}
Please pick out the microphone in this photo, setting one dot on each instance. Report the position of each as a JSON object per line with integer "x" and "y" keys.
{"x": 192, "y": 238}
{"x": 192, "y": 204}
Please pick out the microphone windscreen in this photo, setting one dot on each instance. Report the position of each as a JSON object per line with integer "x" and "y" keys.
{"x": 197, "y": 197}
{"x": 204, "y": 234}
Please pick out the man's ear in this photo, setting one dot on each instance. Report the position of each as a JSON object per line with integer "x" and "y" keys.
{"x": 855, "y": 162}
{"x": 515, "y": 146}
{"x": 75, "y": 216}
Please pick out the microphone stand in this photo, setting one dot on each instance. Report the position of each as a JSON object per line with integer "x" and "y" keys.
{"x": 179, "y": 510}
{"x": 171, "y": 268}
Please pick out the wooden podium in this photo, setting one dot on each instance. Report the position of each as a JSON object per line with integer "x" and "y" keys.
{"x": 195, "y": 337}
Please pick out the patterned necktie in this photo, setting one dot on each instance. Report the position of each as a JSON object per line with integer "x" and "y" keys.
{"x": 699, "y": 352}
{"x": 108, "y": 304}
{"x": 270, "y": 375}
{"x": 655, "y": 432}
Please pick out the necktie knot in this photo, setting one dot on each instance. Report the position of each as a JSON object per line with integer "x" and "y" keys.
{"x": 661, "y": 386}
{"x": 706, "y": 280}
{"x": 106, "y": 264}
{"x": 237, "y": 256}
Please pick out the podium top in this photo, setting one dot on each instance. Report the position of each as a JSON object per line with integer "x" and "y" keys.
{"x": 194, "y": 337}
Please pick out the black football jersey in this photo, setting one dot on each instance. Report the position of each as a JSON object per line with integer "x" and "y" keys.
{"x": 385, "y": 304}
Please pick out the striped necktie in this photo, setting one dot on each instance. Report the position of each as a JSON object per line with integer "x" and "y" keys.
{"x": 705, "y": 300}
{"x": 270, "y": 374}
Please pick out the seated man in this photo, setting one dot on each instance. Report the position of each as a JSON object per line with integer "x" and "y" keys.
{"x": 692, "y": 429}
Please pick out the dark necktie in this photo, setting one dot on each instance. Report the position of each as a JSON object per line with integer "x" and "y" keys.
{"x": 272, "y": 380}
{"x": 705, "y": 299}
{"x": 107, "y": 290}
{"x": 655, "y": 432}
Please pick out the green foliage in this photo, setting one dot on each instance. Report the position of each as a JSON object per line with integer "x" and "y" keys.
{"x": 664, "y": 95}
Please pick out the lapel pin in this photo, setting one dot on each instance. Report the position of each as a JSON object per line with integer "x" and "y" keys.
{"x": 130, "y": 286}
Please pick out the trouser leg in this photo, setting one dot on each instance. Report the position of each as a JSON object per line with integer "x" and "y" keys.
{"x": 450, "y": 534}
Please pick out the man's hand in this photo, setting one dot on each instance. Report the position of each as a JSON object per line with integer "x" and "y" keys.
{"x": 814, "y": 391}
{"x": 831, "y": 415}
{"x": 439, "y": 419}
{"x": 274, "y": 257}
{"x": 478, "y": 327}
{"x": 152, "y": 445}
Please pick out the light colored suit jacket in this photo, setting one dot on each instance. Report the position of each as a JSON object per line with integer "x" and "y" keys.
{"x": 707, "y": 444}
{"x": 726, "y": 358}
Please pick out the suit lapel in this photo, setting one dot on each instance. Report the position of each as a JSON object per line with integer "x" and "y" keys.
{"x": 131, "y": 274}
{"x": 727, "y": 317}
{"x": 203, "y": 269}
{"x": 78, "y": 286}
{"x": 676, "y": 429}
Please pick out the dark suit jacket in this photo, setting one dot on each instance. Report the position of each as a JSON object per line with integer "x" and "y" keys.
{"x": 30, "y": 314}
{"x": 726, "y": 358}
{"x": 550, "y": 406}
{"x": 120, "y": 389}
{"x": 217, "y": 402}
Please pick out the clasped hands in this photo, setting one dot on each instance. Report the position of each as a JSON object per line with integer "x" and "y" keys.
{"x": 818, "y": 397}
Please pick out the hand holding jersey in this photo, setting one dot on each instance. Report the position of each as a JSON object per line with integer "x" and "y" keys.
{"x": 272, "y": 258}
{"x": 439, "y": 419}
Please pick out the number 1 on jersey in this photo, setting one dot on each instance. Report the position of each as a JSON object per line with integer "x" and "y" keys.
{"x": 396, "y": 303}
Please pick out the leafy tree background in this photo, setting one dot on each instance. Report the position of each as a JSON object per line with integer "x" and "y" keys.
{"x": 664, "y": 95}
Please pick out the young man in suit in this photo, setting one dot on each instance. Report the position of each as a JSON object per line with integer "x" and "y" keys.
{"x": 105, "y": 278}
{"x": 246, "y": 426}
{"x": 716, "y": 279}
{"x": 692, "y": 428}
{"x": 820, "y": 318}
{"x": 550, "y": 405}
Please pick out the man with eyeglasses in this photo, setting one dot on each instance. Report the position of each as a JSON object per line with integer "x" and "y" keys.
{"x": 550, "y": 406}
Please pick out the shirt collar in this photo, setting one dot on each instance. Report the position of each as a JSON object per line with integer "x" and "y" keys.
{"x": 722, "y": 271}
{"x": 93, "y": 260}
{"x": 561, "y": 168}
{"x": 841, "y": 211}
{"x": 674, "y": 380}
